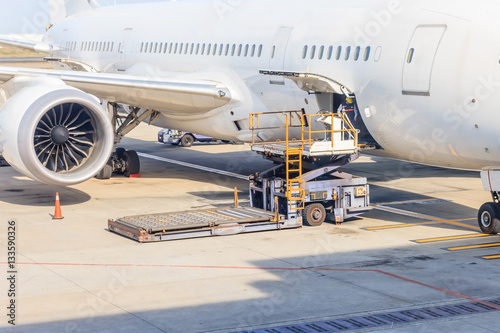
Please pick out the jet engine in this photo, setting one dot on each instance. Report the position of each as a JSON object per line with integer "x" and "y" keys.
{"x": 54, "y": 133}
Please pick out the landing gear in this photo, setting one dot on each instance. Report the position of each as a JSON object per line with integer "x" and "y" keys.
{"x": 123, "y": 161}
{"x": 131, "y": 164}
{"x": 124, "y": 120}
{"x": 488, "y": 218}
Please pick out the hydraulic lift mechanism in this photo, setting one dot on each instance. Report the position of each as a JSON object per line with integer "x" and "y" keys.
{"x": 305, "y": 187}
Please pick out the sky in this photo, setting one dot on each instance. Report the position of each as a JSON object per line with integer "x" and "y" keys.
{"x": 31, "y": 16}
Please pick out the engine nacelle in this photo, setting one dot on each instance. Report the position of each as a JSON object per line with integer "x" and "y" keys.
{"x": 54, "y": 133}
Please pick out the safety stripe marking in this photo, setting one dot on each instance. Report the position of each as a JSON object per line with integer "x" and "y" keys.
{"x": 496, "y": 256}
{"x": 399, "y": 226}
{"x": 430, "y": 240}
{"x": 194, "y": 166}
{"x": 470, "y": 247}
{"x": 426, "y": 217}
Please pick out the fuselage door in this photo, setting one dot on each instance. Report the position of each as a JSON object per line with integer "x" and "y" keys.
{"x": 278, "y": 51}
{"x": 122, "y": 49}
{"x": 419, "y": 59}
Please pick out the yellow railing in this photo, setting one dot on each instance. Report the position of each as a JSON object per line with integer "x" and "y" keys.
{"x": 347, "y": 132}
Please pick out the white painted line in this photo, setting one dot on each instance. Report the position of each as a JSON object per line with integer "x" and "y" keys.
{"x": 194, "y": 166}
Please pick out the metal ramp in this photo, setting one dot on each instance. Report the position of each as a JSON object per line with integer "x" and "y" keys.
{"x": 198, "y": 223}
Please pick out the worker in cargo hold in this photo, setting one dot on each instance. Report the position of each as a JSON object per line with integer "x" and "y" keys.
{"x": 349, "y": 109}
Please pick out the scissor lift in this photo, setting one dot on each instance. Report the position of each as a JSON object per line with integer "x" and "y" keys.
{"x": 307, "y": 182}
{"x": 303, "y": 188}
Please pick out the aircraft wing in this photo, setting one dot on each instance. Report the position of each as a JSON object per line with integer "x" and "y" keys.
{"x": 176, "y": 95}
{"x": 34, "y": 44}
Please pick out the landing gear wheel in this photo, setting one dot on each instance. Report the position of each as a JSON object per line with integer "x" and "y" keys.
{"x": 488, "y": 218}
{"x": 119, "y": 152}
{"x": 105, "y": 172}
{"x": 314, "y": 214}
{"x": 187, "y": 140}
{"x": 132, "y": 163}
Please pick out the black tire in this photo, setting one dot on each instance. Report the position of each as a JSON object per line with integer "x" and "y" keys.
{"x": 187, "y": 140}
{"x": 132, "y": 163}
{"x": 119, "y": 152}
{"x": 105, "y": 172}
{"x": 487, "y": 218}
{"x": 314, "y": 214}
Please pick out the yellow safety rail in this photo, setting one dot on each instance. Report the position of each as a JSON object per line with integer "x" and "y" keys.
{"x": 308, "y": 133}
{"x": 293, "y": 151}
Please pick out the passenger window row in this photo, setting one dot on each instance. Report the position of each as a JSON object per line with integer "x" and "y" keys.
{"x": 246, "y": 50}
{"x": 337, "y": 53}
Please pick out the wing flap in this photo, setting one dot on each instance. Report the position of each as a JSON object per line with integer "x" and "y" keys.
{"x": 183, "y": 96}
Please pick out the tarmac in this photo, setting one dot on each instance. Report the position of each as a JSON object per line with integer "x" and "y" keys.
{"x": 394, "y": 269}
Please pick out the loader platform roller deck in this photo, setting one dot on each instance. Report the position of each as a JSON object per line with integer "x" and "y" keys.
{"x": 306, "y": 187}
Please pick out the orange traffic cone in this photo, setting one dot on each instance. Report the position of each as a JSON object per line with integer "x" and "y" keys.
{"x": 57, "y": 211}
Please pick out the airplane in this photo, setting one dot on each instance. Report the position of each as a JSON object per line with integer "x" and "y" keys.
{"x": 425, "y": 75}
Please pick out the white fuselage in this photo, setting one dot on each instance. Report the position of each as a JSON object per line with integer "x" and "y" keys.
{"x": 426, "y": 74}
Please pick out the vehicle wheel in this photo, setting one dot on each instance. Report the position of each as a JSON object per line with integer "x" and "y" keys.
{"x": 488, "y": 218}
{"x": 314, "y": 214}
{"x": 119, "y": 152}
{"x": 132, "y": 163}
{"x": 187, "y": 140}
{"x": 105, "y": 172}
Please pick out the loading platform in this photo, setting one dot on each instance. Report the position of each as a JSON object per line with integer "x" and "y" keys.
{"x": 198, "y": 223}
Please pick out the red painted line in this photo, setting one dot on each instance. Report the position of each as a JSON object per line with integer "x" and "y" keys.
{"x": 402, "y": 278}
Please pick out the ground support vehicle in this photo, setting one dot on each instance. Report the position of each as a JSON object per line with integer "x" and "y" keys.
{"x": 303, "y": 188}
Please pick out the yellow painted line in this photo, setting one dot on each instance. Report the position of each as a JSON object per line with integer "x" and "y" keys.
{"x": 469, "y": 247}
{"x": 400, "y": 226}
{"x": 497, "y": 256}
{"x": 426, "y": 217}
{"x": 430, "y": 240}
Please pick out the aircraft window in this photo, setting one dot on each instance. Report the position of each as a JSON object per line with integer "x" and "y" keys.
{"x": 410, "y": 55}
{"x": 240, "y": 47}
{"x": 246, "y": 50}
{"x": 215, "y": 50}
{"x": 321, "y": 52}
{"x": 170, "y": 47}
{"x": 191, "y": 48}
{"x": 160, "y": 48}
{"x": 209, "y": 48}
{"x": 227, "y": 50}
{"x": 313, "y": 51}
{"x": 347, "y": 52}
{"x": 330, "y": 53}
{"x": 260, "y": 50}
{"x": 181, "y": 47}
{"x": 273, "y": 52}
{"x": 304, "y": 52}
{"x": 202, "y": 52}
{"x": 197, "y": 48}
{"x": 112, "y": 46}
{"x": 339, "y": 53}
{"x": 252, "y": 53}
{"x": 156, "y": 47}
{"x": 176, "y": 47}
{"x": 357, "y": 52}
{"x": 221, "y": 49}
{"x": 233, "y": 49}
{"x": 367, "y": 53}
{"x": 186, "y": 48}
